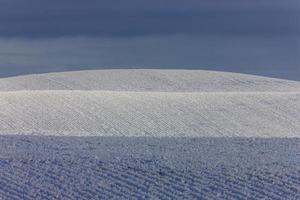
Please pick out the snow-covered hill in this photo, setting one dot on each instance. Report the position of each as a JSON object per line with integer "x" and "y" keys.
{"x": 149, "y": 80}
{"x": 156, "y": 114}
{"x": 149, "y": 134}
{"x": 153, "y": 103}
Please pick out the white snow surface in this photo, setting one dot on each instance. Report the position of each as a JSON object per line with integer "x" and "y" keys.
{"x": 156, "y": 103}
{"x": 152, "y": 134}
{"x": 141, "y": 80}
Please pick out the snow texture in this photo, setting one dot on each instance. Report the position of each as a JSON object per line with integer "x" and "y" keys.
{"x": 149, "y": 80}
{"x": 33, "y": 167}
{"x": 154, "y": 103}
{"x": 153, "y": 114}
{"x": 149, "y": 134}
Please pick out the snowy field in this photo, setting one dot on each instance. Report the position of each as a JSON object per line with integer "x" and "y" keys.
{"x": 84, "y": 113}
{"x": 149, "y": 81}
{"x": 149, "y": 134}
{"x": 33, "y": 167}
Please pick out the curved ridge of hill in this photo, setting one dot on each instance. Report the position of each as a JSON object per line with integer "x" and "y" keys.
{"x": 149, "y": 80}
{"x": 154, "y": 103}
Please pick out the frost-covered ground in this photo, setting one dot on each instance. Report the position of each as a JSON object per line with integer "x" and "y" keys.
{"x": 33, "y": 167}
{"x": 143, "y": 80}
{"x": 102, "y": 113}
{"x": 149, "y": 134}
{"x": 153, "y": 103}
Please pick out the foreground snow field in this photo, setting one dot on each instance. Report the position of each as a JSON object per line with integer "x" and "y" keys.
{"x": 140, "y": 134}
{"x": 33, "y": 167}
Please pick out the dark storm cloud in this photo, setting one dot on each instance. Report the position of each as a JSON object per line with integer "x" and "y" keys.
{"x": 269, "y": 56}
{"x": 56, "y": 18}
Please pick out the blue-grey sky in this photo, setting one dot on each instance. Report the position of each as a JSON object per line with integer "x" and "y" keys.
{"x": 251, "y": 36}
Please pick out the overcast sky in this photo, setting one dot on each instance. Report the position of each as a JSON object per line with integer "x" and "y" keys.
{"x": 251, "y": 36}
